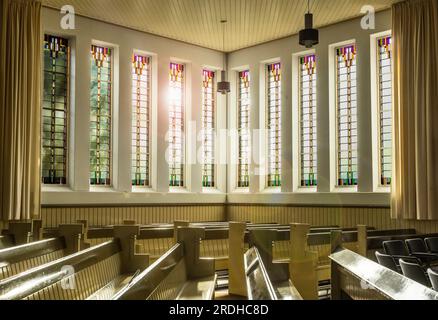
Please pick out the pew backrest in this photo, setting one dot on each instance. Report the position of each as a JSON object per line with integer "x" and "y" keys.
{"x": 259, "y": 286}
{"x": 95, "y": 267}
{"x": 17, "y": 259}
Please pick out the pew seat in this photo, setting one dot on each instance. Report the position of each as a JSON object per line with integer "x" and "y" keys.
{"x": 109, "y": 291}
{"x": 259, "y": 285}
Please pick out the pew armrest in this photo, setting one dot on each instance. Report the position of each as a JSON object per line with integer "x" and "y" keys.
{"x": 407, "y": 259}
{"x": 425, "y": 255}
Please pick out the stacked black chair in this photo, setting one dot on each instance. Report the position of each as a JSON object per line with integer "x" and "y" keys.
{"x": 432, "y": 244}
{"x": 433, "y": 279}
{"x": 387, "y": 261}
{"x": 415, "y": 272}
{"x": 417, "y": 248}
{"x": 397, "y": 249}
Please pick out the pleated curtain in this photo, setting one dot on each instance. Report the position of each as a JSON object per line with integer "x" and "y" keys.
{"x": 415, "y": 110}
{"x": 20, "y": 99}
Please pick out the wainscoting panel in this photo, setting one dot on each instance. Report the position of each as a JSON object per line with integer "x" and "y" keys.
{"x": 317, "y": 216}
{"x": 379, "y": 218}
{"x": 102, "y": 216}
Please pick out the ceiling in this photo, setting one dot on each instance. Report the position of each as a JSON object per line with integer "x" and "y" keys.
{"x": 250, "y": 22}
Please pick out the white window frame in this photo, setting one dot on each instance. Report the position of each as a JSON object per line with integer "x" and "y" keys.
{"x": 375, "y": 111}
{"x": 114, "y": 117}
{"x": 216, "y": 141}
{"x": 296, "y": 152}
{"x": 263, "y": 140}
{"x": 187, "y": 126}
{"x": 333, "y": 118}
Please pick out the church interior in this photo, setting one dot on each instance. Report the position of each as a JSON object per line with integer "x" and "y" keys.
{"x": 219, "y": 150}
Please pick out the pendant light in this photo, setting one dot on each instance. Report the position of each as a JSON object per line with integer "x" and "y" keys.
{"x": 309, "y": 36}
{"x": 223, "y": 86}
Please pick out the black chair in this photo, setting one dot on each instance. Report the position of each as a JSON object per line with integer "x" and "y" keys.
{"x": 432, "y": 244}
{"x": 415, "y": 272}
{"x": 433, "y": 278}
{"x": 387, "y": 261}
{"x": 397, "y": 249}
{"x": 417, "y": 248}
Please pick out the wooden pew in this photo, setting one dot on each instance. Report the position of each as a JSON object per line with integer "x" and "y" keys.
{"x": 18, "y": 259}
{"x": 355, "y": 277}
{"x": 6, "y": 241}
{"x": 180, "y": 274}
{"x": 156, "y": 239}
{"x": 259, "y": 285}
{"x": 21, "y": 232}
{"x": 298, "y": 261}
{"x": 95, "y": 273}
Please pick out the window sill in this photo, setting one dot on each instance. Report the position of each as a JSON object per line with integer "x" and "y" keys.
{"x": 105, "y": 189}
{"x": 272, "y": 190}
{"x": 178, "y": 190}
{"x": 241, "y": 190}
{"x": 142, "y": 190}
{"x": 53, "y": 188}
{"x": 382, "y": 189}
{"x": 307, "y": 190}
{"x": 346, "y": 189}
{"x": 211, "y": 190}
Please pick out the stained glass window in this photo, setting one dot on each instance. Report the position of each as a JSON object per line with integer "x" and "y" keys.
{"x": 100, "y": 121}
{"x": 208, "y": 127}
{"x": 346, "y": 116}
{"x": 385, "y": 109}
{"x": 55, "y": 110}
{"x": 244, "y": 104}
{"x": 141, "y": 115}
{"x": 176, "y": 126}
{"x": 308, "y": 142}
{"x": 274, "y": 124}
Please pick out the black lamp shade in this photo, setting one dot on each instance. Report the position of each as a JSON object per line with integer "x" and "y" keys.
{"x": 309, "y": 36}
{"x": 223, "y": 86}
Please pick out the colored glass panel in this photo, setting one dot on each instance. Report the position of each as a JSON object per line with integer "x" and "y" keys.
{"x": 347, "y": 173}
{"x": 55, "y": 109}
{"x": 141, "y": 116}
{"x": 274, "y": 124}
{"x": 176, "y": 126}
{"x": 308, "y": 136}
{"x": 100, "y": 116}
{"x": 244, "y": 105}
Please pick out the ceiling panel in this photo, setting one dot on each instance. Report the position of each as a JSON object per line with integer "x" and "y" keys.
{"x": 250, "y": 22}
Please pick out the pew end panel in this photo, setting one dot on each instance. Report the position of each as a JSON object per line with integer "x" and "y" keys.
{"x": 236, "y": 263}
{"x": 131, "y": 260}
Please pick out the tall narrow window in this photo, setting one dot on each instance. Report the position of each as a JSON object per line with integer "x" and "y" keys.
{"x": 100, "y": 122}
{"x": 55, "y": 110}
{"x": 308, "y": 142}
{"x": 176, "y": 126}
{"x": 274, "y": 124}
{"x": 243, "y": 129}
{"x": 208, "y": 126}
{"x": 141, "y": 116}
{"x": 346, "y": 116}
{"x": 385, "y": 109}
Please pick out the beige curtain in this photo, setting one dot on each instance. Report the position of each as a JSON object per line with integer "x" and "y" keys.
{"x": 20, "y": 95}
{"x": 415, "y": 38}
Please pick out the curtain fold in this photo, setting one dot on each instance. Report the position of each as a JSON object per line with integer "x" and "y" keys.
{"x": 20, "y": 99}
{"x": 415, "y": 110}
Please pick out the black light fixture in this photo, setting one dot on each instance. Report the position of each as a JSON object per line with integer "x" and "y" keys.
{"x": 224, "y": 86}
{"x": 309, "y": 36}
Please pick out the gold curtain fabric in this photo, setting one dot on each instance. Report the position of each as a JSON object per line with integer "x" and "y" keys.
{"x": 415, "y": 169}
{"x": 20, "y": 99}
